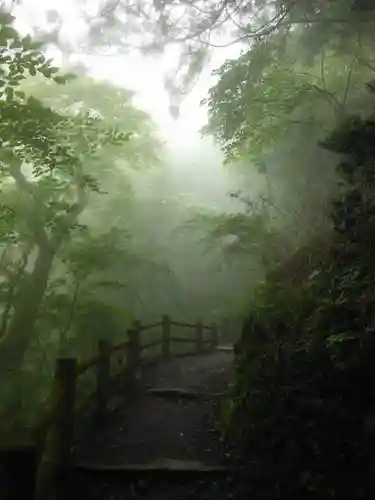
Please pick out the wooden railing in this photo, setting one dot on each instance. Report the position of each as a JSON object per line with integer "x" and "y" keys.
{"x": 60, "y": 415}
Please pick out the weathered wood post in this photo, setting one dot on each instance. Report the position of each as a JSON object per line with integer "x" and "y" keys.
{"x": 199, "y": 337}
{"x": 166, "y": 336}
{"x": 133, "y": 352}
{"x": 215, "y": 335}
{"x": 103, "y": 374}
{"x": 63, "y": 426}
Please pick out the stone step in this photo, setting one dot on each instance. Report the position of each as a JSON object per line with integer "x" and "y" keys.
{"x": 225, "y": 348}
{"x": 159, "y": 464}
{"x": 161, "y": 469}
{"x": 177, "y": 393}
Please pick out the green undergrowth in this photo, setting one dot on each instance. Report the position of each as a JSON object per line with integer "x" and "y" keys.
{"x": 302, "y": 403}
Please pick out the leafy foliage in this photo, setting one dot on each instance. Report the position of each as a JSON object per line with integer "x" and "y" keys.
{"x": 200, "y": 27}
{"x": 303, "y": 394}
{"x": 60, "y": 271}
{"x": 250, "y": 234}
{"x": 270, "y": 89}
{"x": 272, "y": 106}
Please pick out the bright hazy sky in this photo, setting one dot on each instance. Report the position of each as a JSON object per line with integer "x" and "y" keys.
{"x": 133, "y": 71}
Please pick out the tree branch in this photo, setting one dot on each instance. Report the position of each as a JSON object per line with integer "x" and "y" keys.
{"x": 330, "y": 96}
{"x": 67, "y": 327}
{"x": 76, "y": 209}
{"x": 348, "y": 82}
{"x": 35, "y": 219}
{"x": 322, "y": 76}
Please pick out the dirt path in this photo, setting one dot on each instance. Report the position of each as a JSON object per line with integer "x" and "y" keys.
{"x": 166, "y": 427}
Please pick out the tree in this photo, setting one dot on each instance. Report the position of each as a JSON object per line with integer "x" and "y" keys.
{"x": 113, "y": 165}
{"x": 42, "y": 156}
{"x": 249, "y": 234}
{"x": 270, "y": 107}
{"x": 198, "y": 26}
{"x": 270, "y": 89}
{"x": 117, "y": 168}
{"x": 310, "y": 382}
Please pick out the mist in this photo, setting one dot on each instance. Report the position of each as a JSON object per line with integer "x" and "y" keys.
{"x": 193, "y": 180}
{"x": 201, "y": 166}
{"x": 198, "y": 181}
{"x": 189, "y": 178}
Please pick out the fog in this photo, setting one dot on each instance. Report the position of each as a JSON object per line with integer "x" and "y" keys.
{"x": 190, "y": 179}
{"x": 170, "y": 220}
{"x": 189, "y": 164}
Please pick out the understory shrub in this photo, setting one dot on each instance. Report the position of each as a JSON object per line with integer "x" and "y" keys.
{"x": 304, "y": 387}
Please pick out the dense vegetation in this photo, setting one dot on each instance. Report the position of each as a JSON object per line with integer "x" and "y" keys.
{"x": 85, "y": 184}
{"x": 62, "y": 264}
{"x": 303, "y": 395}
{"x": 101, "y": 224}
{"x": 302, "y": 402}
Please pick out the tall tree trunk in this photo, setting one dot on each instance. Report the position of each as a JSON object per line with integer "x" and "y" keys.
{"x": 20, "y": 331}
{"x": 14, "y": 285}
{"x": 15, "y": 342}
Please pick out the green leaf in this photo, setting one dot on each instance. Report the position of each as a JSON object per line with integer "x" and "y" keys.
{"x": 7, "y": 32}
{"x": 36, "y": 45}
{"x": 6, "y": 18}
{"x": 63, "y": 79}
{"x": 16, "y": 44}
{"x": 27, "y": 42}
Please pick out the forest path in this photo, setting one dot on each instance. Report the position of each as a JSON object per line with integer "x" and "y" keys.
{"x": 162, "y": 440}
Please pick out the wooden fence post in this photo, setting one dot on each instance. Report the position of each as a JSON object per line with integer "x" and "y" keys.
{"x": 63, "y": 438}
{"x": 199, "y": 338}
{"x": 133, "y": 352}
{"x": 215, "y": 335}
{"x": 103, "y": 374}
{"x": 166, "y": 336}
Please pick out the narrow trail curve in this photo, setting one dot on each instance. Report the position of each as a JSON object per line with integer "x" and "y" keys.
{"x": 169, "y": 423}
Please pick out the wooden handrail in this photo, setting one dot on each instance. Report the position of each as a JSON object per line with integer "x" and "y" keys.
{"x": 143, "y": 328}
{"x": 83, "y": 366}
{"x": 58, "y": 415}
{"x": 179, "y": 323}
{"x": 183, "y": 339}
{"x": 121, "y": 345}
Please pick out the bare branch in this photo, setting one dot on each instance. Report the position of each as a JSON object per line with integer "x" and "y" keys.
{"x": 348, "y": 82}
{"x": 366, "y": 63}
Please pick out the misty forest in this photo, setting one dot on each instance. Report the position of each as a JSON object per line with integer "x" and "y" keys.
{"x": 248, "y": 206}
